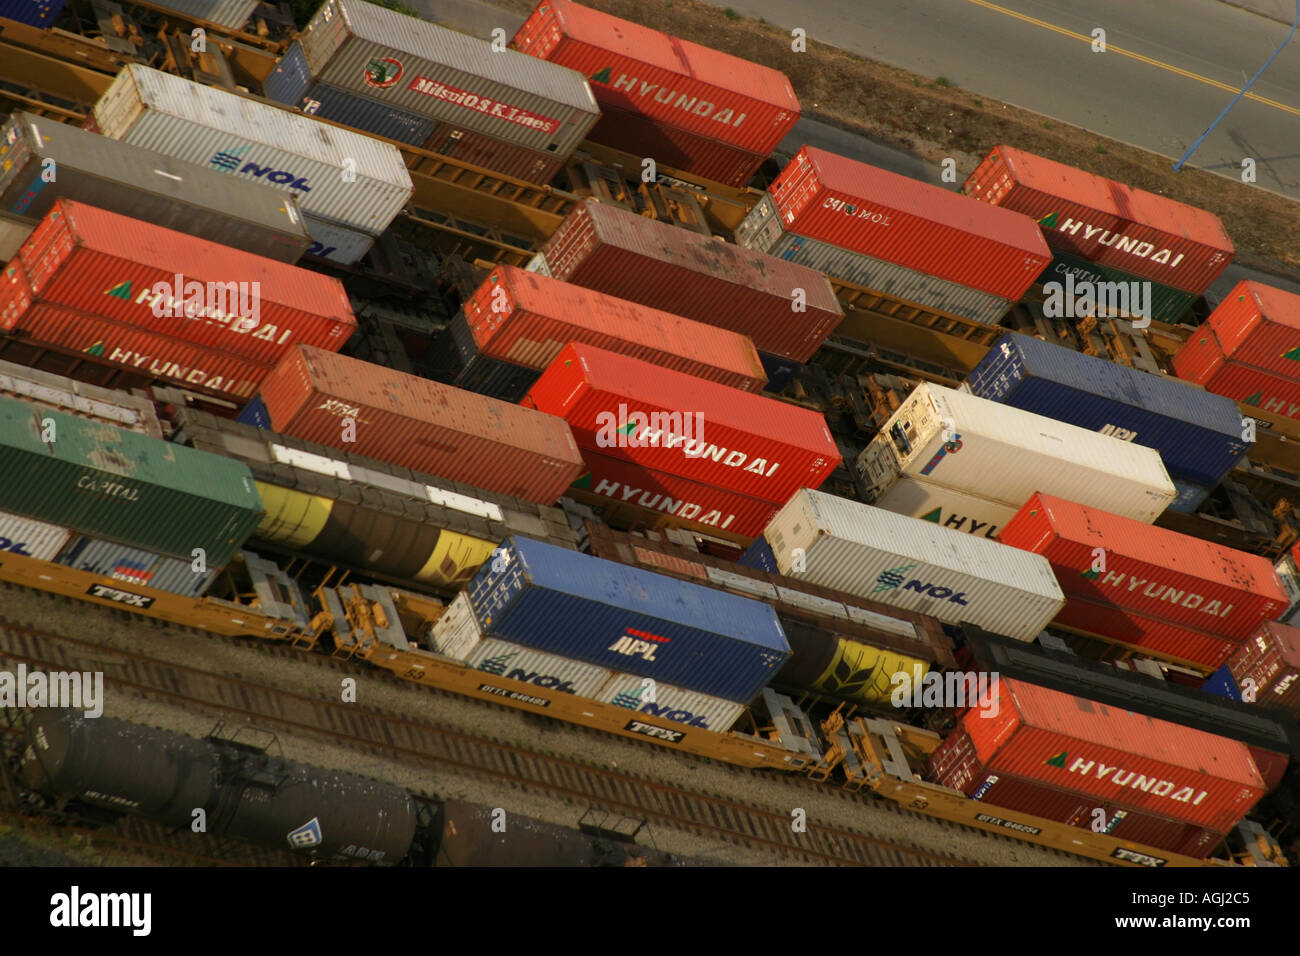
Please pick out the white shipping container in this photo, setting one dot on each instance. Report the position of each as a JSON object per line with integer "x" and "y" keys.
{"x": 649, "y": 697}
{"x": 1289, "y": 575}
{"x": 335, "y": 243}
{"x": 34, "y": 539}
{"x": 919, "y": 498}
{"x": 538, "y": 264}
{"x": 456, "y": 633}
{"x": 914, "y": 564}
{"x": 542, "y": 670}
{"x": 1003, "y": 454}
{"x": 338, "y": 175}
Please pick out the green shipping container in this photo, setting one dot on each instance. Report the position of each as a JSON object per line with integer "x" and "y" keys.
{"x": 104, "y": 481}
{"x": 1167, "y": 303}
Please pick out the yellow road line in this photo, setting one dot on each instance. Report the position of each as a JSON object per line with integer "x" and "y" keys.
{"x": 1110, "y": 48}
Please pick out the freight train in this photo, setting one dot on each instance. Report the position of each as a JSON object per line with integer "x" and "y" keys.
{"x": 820, "y": 214}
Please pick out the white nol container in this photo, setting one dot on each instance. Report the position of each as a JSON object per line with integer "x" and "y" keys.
{"x": 665, "y": 702}
{"x": 546, "y": 672}
{"x": 33, "y": 539}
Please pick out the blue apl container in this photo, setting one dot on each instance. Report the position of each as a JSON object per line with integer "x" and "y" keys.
{"x": 1198, "y": 434}
{"x": 629, "y": 620}
{"x": 34, "y": 13}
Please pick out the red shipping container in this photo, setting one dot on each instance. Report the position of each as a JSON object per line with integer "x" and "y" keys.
{"x": 110, "y": 343}
{"x": 1201, "y": 360}
{"x": 1147, "y": 767}
{"x": 1159, "y": 638}
{"x": 878, "y": 213}
{"x": 666, "y": 91}
{"x": 660, "y": 495}
{"x": 1260, "y": 326}
{"x": 526, "y": 318}
{"x": 106, "y": 264}
{"x": 1151, "y": 571}
{"x": 1105, "y": 221}
{"x": 602, "y": 247}
{"x": 720, "y": 436}
{"x": 1272, "y": 660}
{"x": 509, "y": 159}
{"x": 422, "y": 425}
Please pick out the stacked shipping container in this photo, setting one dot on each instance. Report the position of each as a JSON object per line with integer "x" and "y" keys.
{"x": 1109, "y": 231}
{"x": 355, "y": 406}
{"x": 892, "y": 234}
{"x": 686, "y": 106}
{"x": 349, "y": 186}
{"x": 516, "y": 322}
{"x": 1271, "y": 659}
{"x": 1057, "y": 756}
{"x": 1175, "y": 596}
{"x": 1248, "y": 349}
{"x": 189, "y": 311}
{"x": 663, "y": 424}
{"x": 407, "y": 79}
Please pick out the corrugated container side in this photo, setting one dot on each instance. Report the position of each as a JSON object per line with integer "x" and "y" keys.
{"x": 112, "y": 266}
{"x": 1259, "y": 325}
{"x": 137, "y": 566}
{"x": 1106, "y": 221}
{"x": 233, "y": 14}
{"x": 105, "y": 481}
{"x": 630, "y": 257}
{"x": 33, "y": 539}
{"x": 107, "y": 406}
{"x": 336, "y": 243}
{"x": 676, "y": 150}
{"x": 14, "y": 231}
{"x": 674, "y": 423}
{"x": 465, "y": 366}
{"x": 919, "y": 498}
{"x": 672, "y": 83}
{"x": 1252, "y": 386}
{"x": 289, "y": 81}
{"x": 242, "y": 137}
{"x": 478, "y": 149}
{"x": 1198, "y": 434}
{"x": 1157, "y": 636}
{"x": 645, "y": 696}
{"x": 34, "y": 13}
{"x": 1190, "y": 497}
{"x": 914, "y": 564}
{"x": 525, "y": 318}
{"x": 889, "y": 278}
{"x": 419, "y": 67}
{"x": 421, "y": 424}
{"x": 144, "y": 185}
{"x": 662, "y": 495}
{"x": 1163, "y": 302}
{"x": 631, "y": 620}
{"x": 867, "y": 209}
{"x": 546, "y": 671}
{"x": 1152, "y": 571}
{"x": 1271, "y": 658}
{"x": 456, "y": 633}
{"x": 365, "y": 114}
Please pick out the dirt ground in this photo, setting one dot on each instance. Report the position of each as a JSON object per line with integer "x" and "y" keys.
{"x": 934, "y": 121}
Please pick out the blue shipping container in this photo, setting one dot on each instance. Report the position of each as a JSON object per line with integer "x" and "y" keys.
{"x": 291, "y": 78}
{"x": 780, "y": 371}
{"x": 1190, "y": 496}
{"x": 255, "y": 414}
{"x": 464, "y": 366}
{"x": 1222, "y": 684}
{"x": 1197, "y": 434}
{"x": 759, "y": 555}
{"x": 367, "y": 115}
{"x": 627, "y": 619}
{"x": 34, "y": 13}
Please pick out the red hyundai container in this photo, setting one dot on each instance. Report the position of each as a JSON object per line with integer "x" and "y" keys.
{"x": 1272, "y": 660}
{"x": 1201, "y": 360}
{"x": 1105, "y": 221}
{"x": 878, "y": 213}
{"x": 105, "y": 264}
{"x": 421, "y": 425}
{"x": 1151, "y": 571}
{"x": 1156, "y": 636}
{"x": 144, "y": 353}
{"x": 659, "y": 495}
{"x": 1259, "y": 325}
{"x": 526, "y": 318}
{"x": 680, "y": 425}
{"x": 689, "y": 107}
{"x": 602, "y": 247}
{"x": 1058, "y": 756}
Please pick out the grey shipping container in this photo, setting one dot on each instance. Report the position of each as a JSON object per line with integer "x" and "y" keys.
{"x": 136, "y": 566}
{"x": 628, "y": 619}
{"x": 144, "y": 185}
{"x": 763, "y": 231}
{"x": 337, "y": 243}
{"x": 107, "y": 482}
{"x": 14, "y": 231}
{"x": 232, "y": 14}
{"x": 339, "y": 176}
{"x": 1198, "y": 434}
{"x": 419, "y": 67}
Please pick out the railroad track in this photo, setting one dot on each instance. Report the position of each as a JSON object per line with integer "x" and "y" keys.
{"x": 574, "y": 781}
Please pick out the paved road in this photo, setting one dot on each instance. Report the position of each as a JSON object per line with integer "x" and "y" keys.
{"x": 1170, "y": 68}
